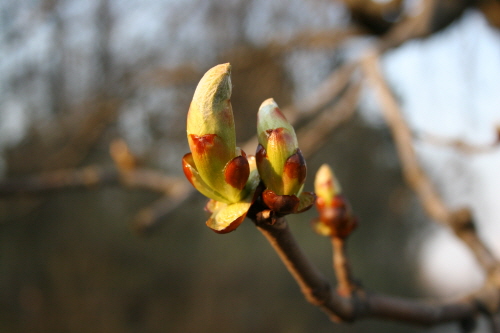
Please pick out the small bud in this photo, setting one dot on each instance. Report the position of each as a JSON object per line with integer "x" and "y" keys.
{"x": 284, "y": 204}
{"x": 280, "y": 162}
{"x": 326, "y": 185}
{"x": 335, "y": 215}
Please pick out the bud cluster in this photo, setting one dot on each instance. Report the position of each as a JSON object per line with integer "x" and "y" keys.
{"x": 225, "y": 174}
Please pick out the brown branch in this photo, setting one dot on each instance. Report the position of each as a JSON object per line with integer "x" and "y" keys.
{"x": 362, "y": 304}
{"x": 419, "y": 312}
{"x": 323, "y": 39}
{"x": 330, "y": 89}
{"x": 410, "y": 27}
{"x": 312, "y": 283}
{"x": 414, "y": 175}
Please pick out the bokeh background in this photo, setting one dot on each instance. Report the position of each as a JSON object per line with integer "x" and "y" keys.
{"x": 75, "y": 75}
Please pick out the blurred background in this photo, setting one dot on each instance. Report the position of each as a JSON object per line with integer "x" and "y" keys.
{"x": 77, "y": 75}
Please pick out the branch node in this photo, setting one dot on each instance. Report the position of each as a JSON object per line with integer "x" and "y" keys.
{"x": 461, "y": 221}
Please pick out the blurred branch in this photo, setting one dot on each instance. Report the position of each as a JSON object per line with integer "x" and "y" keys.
{"x": 313, "y": 135}
{"x": 126, "y": 173}
{"x": 147, "y": 219}
{"x": 317, "y": 39}
{"x": 460, "y": 145}
{"x": 327, "y": 92}
{"x": 414, "y": 175}
{"x": 460, "y": 221}
{"x": 409, "y": 27}
{"x": 92, "y": 176}
{"x": 89, "y": 130}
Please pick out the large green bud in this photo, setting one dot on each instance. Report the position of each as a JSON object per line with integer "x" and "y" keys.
{"x": 216, "y": 167}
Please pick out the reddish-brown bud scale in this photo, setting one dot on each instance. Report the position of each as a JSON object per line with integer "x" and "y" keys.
{"x": 281, "y": 204}
{"x": 295, "y": 167}
{"x": 278, "y": 136}
{"x": 202, "y": 143}
{"x": 186, "y": 168}
{"x": 260, "y": 154}
{"x": 209, "y": 150}
{"x": 237, "y": 171}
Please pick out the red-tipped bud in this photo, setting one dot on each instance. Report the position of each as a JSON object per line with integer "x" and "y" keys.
{"x": 335, "y": 215}
{"x": 281, "y": 165}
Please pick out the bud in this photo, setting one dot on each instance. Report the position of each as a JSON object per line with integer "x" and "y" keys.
{"x": 216, "y": 167}
{"x": 281, "y": 165}
{"x": 335, "y": 215}
{"x": 326, "y": 185}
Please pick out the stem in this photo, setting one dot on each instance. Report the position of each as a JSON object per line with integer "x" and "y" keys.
{"x": 312, "y": 283}
{"x": 341, "y": 266}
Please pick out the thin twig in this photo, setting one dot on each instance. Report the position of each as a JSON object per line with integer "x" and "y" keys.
{"x": 346, "y": 286}
{"x": 460, "y": 145}
{"x": 330, "y": 89}
{"x": 408, "y": 28}
{"x": 313, "y": 135}
{"x": 147, "y": 219}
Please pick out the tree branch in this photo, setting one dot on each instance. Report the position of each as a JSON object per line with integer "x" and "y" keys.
{"x": 361, "y": 304}
{"x": 460, "y": 145}
{"x": 460, "y": 221}
{"x": 312, "y": 283}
